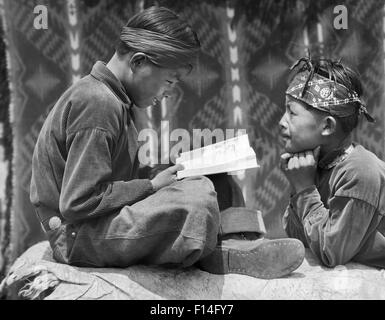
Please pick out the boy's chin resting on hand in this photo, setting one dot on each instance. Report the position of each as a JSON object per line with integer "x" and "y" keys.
{"x": 300, "y": 168}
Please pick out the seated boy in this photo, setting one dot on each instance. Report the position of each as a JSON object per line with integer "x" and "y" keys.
{"x": 337, "y": 203}
{"x": 85, "y": 186}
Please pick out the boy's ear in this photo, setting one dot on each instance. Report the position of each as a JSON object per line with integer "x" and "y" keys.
{"x": 329, "y": 126}
{"x": 137, "y": 60}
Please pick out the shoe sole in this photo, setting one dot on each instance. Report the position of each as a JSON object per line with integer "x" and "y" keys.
{"x": 273, "y": 259}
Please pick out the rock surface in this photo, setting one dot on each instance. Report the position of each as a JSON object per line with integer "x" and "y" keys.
{"x": 50, "y": 280}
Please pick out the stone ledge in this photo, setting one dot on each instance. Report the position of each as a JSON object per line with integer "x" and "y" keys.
{"x": 37, "y": 276}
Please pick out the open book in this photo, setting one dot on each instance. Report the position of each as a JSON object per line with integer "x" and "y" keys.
{"x": 230, "y": 155}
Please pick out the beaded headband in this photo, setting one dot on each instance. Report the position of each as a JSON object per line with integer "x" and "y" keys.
{"x": 324, "y": 93}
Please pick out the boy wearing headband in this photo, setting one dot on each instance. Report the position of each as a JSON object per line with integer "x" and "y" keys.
{"x": 85, "y": 186}
{"x": 338, "y": 187}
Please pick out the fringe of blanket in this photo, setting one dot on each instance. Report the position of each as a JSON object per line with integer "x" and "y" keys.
{"x": 39, "y": 287}
{"x": 35, "y": 285}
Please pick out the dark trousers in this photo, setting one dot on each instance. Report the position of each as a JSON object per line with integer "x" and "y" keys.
{"x": 178, "y": 225}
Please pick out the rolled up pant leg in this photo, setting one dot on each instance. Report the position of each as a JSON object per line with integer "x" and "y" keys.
{"x": 177, "y": 225}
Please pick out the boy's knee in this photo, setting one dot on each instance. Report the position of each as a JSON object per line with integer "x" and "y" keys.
{"x": 202, "y": 189}
{"x": 199, "y": 193}
{"x": 200, "y": 184}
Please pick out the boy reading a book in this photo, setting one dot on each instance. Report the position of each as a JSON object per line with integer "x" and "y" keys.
{"x": 337, "y": 203}
{"x": 85, "y": 187}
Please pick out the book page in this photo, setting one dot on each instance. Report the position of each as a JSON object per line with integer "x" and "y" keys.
{"x": 226, "y": 156}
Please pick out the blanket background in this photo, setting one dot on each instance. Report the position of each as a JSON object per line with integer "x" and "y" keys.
{"x": 239, "y": 83}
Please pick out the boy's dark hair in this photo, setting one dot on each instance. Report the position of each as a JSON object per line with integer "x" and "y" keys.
{"x": 344, "y": 75}
{"x": 162, "y": 35}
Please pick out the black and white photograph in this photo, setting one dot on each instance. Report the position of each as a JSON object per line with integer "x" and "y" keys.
{"x": 192, "y": 153}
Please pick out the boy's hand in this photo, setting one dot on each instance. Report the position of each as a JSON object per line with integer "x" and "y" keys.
{"x": 300, "y": 168}
{"x": 166, "y": 177}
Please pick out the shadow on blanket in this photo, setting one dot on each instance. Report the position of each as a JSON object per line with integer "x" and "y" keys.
{"x": 35, "y": 275}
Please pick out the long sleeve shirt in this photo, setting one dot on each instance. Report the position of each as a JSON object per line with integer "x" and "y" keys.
{"x": 85, "y": 160}
{"x": 341, "y": 217}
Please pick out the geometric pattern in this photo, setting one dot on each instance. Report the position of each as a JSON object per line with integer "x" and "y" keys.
{"x": 40, "y": 63}
{"x": 42, "y": 82}
{"x": 100, "y": 31}
{"x": 269, "y": 53}
{"x": 205, "y": 99}
{"x": 270, "y": 70}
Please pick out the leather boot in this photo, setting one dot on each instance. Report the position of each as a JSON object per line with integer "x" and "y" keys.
{"x": 261, "y": 258}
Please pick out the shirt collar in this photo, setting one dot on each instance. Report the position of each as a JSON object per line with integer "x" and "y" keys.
{"x": 103, "y": 74}
{"x": 334, "y": 157}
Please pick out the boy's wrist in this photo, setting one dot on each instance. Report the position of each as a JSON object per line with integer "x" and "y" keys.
{"x": 297, "y": 192}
